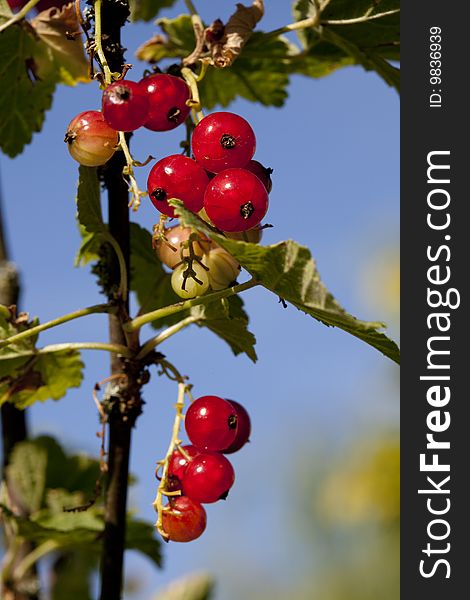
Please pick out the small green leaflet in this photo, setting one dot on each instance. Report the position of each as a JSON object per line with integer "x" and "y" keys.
{"x": 288, "y": 270}
{"x": 152, "y": 285}
{"x": 146, "y": 10}
{"x": 26, "y": 375}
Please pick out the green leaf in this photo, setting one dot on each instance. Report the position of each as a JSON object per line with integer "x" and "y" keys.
{"x": 72, "y": 573}
{"x": 196, "y": 586}
{"x": 89, "y": 247}
{"x": 26, "y": 474}
{"x": 140, "y": 536}
{"x": 288, "y": 270}
{"x": 89, "y": 211}
{"x": 146, "y": 10}
{"x": 370, "y": 44}
{"x": 260, "y": 74}
{"x": 32, "y": 62}
{"x": 43, "y": 377}
{"x": 150, "y": 282}
{"x": 17, "y": 354}
{"x": 227, "y": 319}
{"x": 24, "y": 98}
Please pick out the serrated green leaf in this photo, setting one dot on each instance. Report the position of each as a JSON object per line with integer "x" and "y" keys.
{"x": 43, "y": 377}
{"x": 370, "y": 44}
{"x": 146, "y": 10}
{"x": 177, "y": 41}
{"x": 89, "y": 213}
{"x": 14, "y": 356}
{"x": 89, "y": 247}
{"x": 140, "y": 536}
{"x": 288, "y": 270}
{"x": 150, "y": 282}
{"x": 23, "y": 98}
{"x": 26, "y": 474}
{"x": 195, "y": 586}
{"x": 227, "y": 319}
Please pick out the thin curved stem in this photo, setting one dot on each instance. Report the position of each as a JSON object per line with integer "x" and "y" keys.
{"x": 98, "y": 45}
{"x": 134, "y": 190}
{"x": 162, "y": 491}
{"x": 164, "y": 335}
{"x": 123, "y": 283}
{"x": 363, "y": 19}
{"x": 21, "y": 14}
{"x": 116, "y": 348}
{"x": 90, "y": 310}
{"x": 180, "y": 306}
{"x": 32, "y": 558}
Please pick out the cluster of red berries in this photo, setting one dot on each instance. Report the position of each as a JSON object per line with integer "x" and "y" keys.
{"x": 157, "y": 102}
{"x": 222, "y": 182}
{"x": 222, "y": 178}
{"x": 200, "y": 471}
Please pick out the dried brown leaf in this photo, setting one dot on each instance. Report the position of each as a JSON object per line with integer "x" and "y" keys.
{"x": 54, "y": 27}
{"x": 237, "y": 31}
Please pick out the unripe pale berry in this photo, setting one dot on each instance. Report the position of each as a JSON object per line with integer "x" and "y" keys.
{"x": 185, "y": 285}
{"x": 90, "y": 140}
{"x": 223, "y": 268}
{"x": 175, "y": 236}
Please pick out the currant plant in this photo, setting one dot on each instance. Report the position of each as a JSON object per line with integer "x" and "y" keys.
{"x": 192, "y": 272}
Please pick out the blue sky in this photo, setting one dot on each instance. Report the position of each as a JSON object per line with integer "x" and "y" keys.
{"x": 334, "y": 151}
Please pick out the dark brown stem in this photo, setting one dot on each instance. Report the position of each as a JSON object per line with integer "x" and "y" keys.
{"x": 124, "y": 400}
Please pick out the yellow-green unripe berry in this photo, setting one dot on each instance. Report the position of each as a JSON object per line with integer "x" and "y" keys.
{"x": 223, "y": 268}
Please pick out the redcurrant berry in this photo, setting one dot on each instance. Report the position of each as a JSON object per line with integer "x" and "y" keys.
{"x": 90, "y": 140}
{"x": 177, "y": 176}
{"x": 175, "y": 236}
{"x": 208, "y": 478}
{"x": 236, "y": 200}
{"x": 184, "y": 520}
{"x": 263, "y": 173}
{"x": 167, "y": 101}
{"x": 125, "y": 105}
{"x": 178, "y": 462}
{"x": 211, "y": 423}
{"x": 223, "y": 268}
{"x": 223, "y": 140}
{"x": 243, "y": 428}
{"x": 190, "y": 281}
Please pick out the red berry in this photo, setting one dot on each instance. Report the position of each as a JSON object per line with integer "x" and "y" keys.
{"x": 223, "y": 140}
{"x": 243, "y": 428}
{"x": 263, "y": 173}
{"x": 125, "y": 105}
{"x": 167, "y": 101}
{"x": 211, "y": 423}
{"x": 208, "y": 478}
{"x": 185, "y": 520}
{"x": 177, "y": 176}
{"x": 178, "y": 463}
{"x": 90, "y": 140}
{"x": 235, "y": 200}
